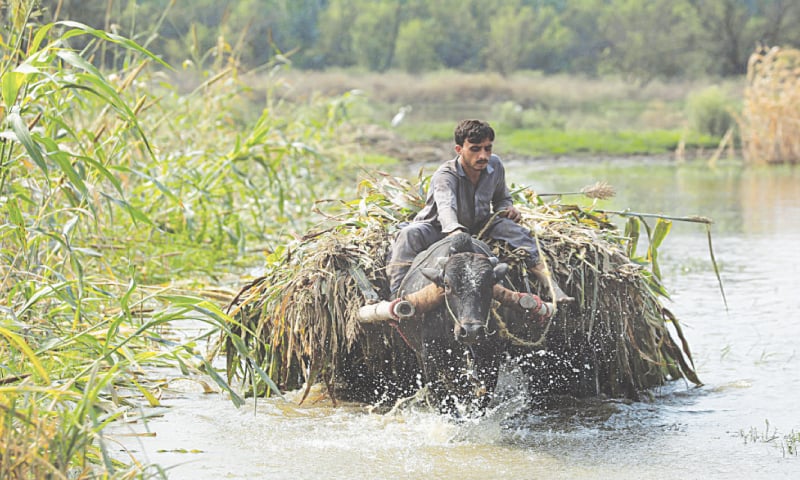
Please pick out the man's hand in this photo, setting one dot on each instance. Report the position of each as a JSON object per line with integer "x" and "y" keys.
{"x": 512, "y": 214}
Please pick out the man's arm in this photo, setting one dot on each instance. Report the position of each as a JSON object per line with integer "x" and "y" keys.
{"x": 444, "y": 186}
{"x": 501, "y": 201}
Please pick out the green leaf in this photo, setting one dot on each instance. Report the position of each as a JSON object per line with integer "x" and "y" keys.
{"x": 62, "y": 159}
{"x": 166, "y": 191}
{"x": 20, "y": 343}
{"x": 12, "y": 82}
{"x": 134, "y": 212}
{"x": 24, "y": 137}
{"x": 632, "y": 231}
{"x": 80, "y": 29}
{"x": 659, "y": 233}
{"x": 663, "y": 228}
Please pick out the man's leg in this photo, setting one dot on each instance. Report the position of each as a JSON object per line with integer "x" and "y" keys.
{"x": 411, "y": 240}
{"x": 518, "y": 236}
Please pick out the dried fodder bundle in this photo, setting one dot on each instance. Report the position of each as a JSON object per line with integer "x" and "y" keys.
{"x": 615, "y": 339}
{"x": 300, "y": 319}
{"x": 770, "y": 120}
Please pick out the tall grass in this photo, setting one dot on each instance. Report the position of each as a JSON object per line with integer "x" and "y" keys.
{"x": 122, "y": 199}
{"x": 770, "y": 120}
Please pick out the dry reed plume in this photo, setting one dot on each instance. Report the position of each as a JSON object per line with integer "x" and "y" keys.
{"x": 770, "y": 121}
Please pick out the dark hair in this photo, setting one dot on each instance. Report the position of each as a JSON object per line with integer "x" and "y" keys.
{"x": 475, "y": 131}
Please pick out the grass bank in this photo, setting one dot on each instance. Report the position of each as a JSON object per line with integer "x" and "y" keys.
{"x": 535, "y": 115}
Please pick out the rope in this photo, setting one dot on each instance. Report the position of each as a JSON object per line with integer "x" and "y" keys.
{"x": 516, "y": 341}
{"x": 396, "y": 326}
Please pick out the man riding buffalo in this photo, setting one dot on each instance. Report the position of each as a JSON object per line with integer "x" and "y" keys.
{"x": 467, "y": 194}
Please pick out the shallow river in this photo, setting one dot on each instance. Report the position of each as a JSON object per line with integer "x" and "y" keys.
{"x": 741, "y": 424}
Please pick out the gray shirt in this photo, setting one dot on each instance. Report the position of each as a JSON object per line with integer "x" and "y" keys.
{"x": 454, "y": 202}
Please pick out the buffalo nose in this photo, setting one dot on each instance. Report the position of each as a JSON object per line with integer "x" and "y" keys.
{"x": 471, "y": 332}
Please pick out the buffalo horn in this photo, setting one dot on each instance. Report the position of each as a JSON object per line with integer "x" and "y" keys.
{"x": 527, "y": 301}
{"x": 421, "y": 301}
{"x": 426, "y": 299}
{"x": 385, "y": 310}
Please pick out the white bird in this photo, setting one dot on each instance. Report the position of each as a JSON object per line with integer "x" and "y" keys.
{"x": 398, "y": 118}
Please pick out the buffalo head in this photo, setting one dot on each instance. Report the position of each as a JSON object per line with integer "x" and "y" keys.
{"x": 468, "y": 280}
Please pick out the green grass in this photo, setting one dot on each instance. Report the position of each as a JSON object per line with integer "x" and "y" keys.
{"x": 555, "y": 142}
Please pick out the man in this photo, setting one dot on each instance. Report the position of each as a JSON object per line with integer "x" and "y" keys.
{"x": 464, "y": 194}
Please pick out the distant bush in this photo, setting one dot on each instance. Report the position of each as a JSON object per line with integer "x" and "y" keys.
{"x": 411, "y": 53}
{"x": 710, "y": 111}
{"x": 513, "y": 115}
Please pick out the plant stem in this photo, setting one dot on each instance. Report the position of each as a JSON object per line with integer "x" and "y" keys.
{"x": 691, "y": 218}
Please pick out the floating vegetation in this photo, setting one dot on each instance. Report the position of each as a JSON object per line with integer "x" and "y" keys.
{"x": 770, "y": 121}
{"x": 788, "y": 443}
{"x": 300, "y": 321}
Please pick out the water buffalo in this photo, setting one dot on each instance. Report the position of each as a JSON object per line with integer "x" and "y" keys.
{"x": 443, "y": 310}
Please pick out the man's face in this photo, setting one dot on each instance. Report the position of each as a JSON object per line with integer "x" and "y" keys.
{"x": 475, "y": 156}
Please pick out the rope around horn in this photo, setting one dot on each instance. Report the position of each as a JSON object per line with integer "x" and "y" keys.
{"x": 502, "y": 330}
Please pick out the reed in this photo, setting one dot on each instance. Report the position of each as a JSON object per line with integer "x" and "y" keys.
{"x": 122, "y": 200}
{"x": 770, "y": 120}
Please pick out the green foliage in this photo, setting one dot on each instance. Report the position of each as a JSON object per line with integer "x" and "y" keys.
{"x": 336, "y": 40}
{"x": 662, "y": 50}
{"x": 412, "y": 53}
{"x": 710, "y": 111}
{"x": 509, "y": 38}
{"x": 639, "y": 40}
{"x": 557, "y": 142}
{"x": 373, "y": 39}
{"x": 524, "y": 37}
{"x": 118, "y": 195}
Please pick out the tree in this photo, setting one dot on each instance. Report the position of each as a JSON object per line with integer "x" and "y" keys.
{"x": 461, "y": 26}
{"x": 414, "y": 52}
{"x": 375, "y": 33}
{"x": 583, "y": 53}
{"x": 731, "y": 29}
{"x": 335, "y": 44}
{"x": 510, "y": 35}
{"x": 647, "y": 39}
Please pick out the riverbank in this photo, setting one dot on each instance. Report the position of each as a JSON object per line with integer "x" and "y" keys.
{"x": 379, "y": 146}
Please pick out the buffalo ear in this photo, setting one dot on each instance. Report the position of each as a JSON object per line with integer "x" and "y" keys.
{"x": 432, "y": 274}
{"x": 500, "y": 271}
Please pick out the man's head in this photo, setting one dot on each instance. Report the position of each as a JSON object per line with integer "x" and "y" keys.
{"x": 475, "y": 131}
{"x": 474, "y": 145}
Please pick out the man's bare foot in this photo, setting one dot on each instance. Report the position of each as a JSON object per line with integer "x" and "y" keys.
{"x": 562, "y": 297}
{"x": 545, "y": 278}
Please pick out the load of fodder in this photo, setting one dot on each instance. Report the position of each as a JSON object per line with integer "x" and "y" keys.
{"x": 770, "y": 121}
{"x": 300, "y": 319}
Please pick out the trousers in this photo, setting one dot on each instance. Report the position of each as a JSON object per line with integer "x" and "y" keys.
{"x": 415, "y": 237}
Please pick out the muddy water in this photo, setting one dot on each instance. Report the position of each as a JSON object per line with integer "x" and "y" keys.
{"x": 738, "y": 425}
